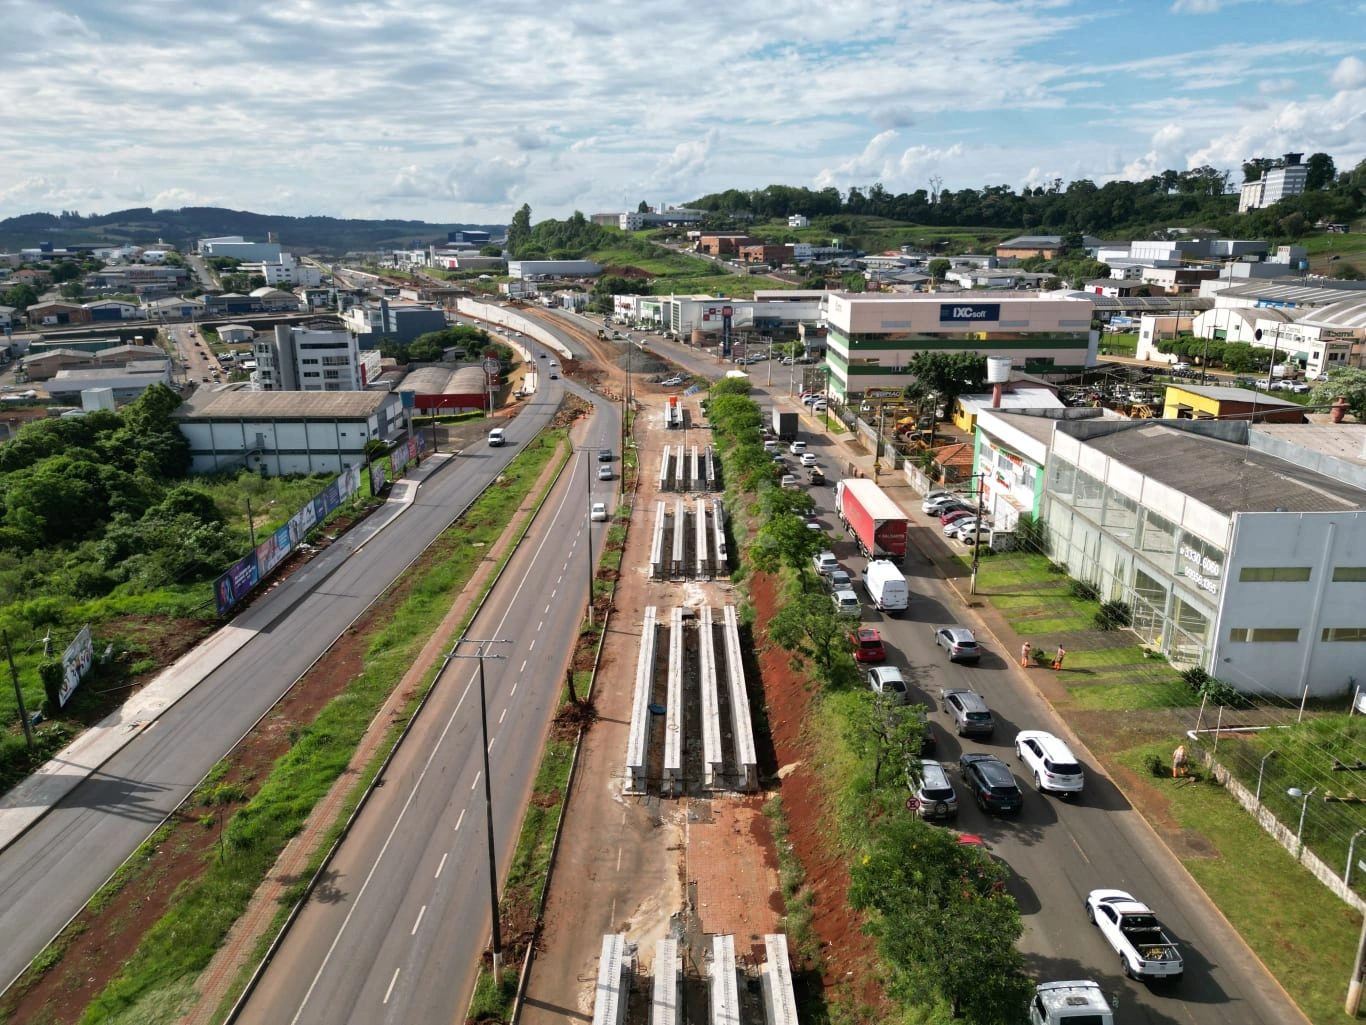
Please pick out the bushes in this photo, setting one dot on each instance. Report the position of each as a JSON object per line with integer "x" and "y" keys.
{"x": 1085, "y": 590}
{"x": 1214, "y": 690}
{"x": 1112, "y": 615}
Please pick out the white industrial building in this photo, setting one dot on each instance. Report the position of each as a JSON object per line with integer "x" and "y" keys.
{"x": 298, "y": 359}
{"x": 285, "y": 270}
{"x": 277, "y": 433}
{"x": 1239, "y": 549}
{"x": 1275, "y": 185}
{"x": 126, "y": 384}
{"x": 238, "y": 248}
{"x": 536, "y": 269}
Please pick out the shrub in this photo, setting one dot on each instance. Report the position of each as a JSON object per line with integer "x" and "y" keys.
{"x": 1041, "y": 657}
{"x": 1113, "y": 615}
{"x": 1156, "y": 766}
{"x": 1058, "y": 568}
{"x": 1030, "y": 535}
{"x": 1085, "y": 590}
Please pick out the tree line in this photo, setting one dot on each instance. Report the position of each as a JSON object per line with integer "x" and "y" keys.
{"x": 1140, "y": 208}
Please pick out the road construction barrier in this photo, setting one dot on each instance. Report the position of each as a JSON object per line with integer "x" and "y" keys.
{"x": 746, "y": 762}
{"x": 667, "y": 984}
{"x": 609, "y": 1001}
{"x": 664, "y": 470}
{"x": 695, "y": 475}
{"x": 673, "y": 704}
{"x": 780, "y": 1000}
{"x": 713, "y": 758}
{"x": 711, "y": 469}
{"x": 638, "y": 740}
{"x": 681, "y": 470}
{"x": 725, "y": 982}
{"x": 657, "y": 542}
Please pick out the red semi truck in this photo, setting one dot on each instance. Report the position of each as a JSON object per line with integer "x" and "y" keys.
{"x": 875, "y": 521}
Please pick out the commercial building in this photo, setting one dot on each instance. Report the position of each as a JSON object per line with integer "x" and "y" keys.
{"x": 724, "y": 245}
{"x": 140, "y": 280}
{"x": 1021, "y": 247}
{"x": 50, "y": 314}
{"x": 42, "y": 363}
{"x": 1218, "y": 402}
{"x": 285, "y": 270}
{"x": 873, "y": 338}
{"x": 538, "y": 269}
{"x": 298, "y": 359}
{"x": 1238, "y": 549}
{"x": 277, "y": 433}
{"x": 238, "y": 248}
{"x": 1275, "y": 184}
{"x": 399, "y": 322}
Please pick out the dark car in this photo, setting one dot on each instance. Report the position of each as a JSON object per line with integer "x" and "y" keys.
{"x": 991, "y": 783}
{"x": 605, "y": 455}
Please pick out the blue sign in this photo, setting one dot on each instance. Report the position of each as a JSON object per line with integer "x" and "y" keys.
{"x": 962, "y": 313}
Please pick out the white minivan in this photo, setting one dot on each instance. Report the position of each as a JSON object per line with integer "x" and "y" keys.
{"x": 497, "y": 437}
{"x": 886, "y": 586}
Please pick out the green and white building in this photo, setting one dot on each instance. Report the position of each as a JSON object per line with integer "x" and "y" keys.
{"x": 873, "y": 338}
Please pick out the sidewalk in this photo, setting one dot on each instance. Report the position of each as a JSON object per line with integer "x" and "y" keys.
{"x": 30, "y": 800}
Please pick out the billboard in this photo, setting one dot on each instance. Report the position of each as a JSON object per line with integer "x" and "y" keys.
{"x": 236, "y": 583}
{"x": 272, "y": 551}
{"x": 377, "y": 476}
{"x": 76, "y": 662}
{"x": 967, "y": 313}
{"x": 301, "y": 523}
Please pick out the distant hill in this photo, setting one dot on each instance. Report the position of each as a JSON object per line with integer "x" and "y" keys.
{"x": 142, "y": 225}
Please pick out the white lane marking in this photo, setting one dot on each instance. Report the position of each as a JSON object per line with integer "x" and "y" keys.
{"x": 618, "y": 859}
{"x": 390, "y": 991}
{"x": 412, "y": 794}
{"x": 476, "y": 779}
{"x": 514, "y": 687}
{"x": 546, "y": 611}
{"x": 561, "y": 579}
{"x": 419, "y": 920}
{"x": 459, "y": 820}
{"x": 492, "y": 742}
{"x": 502, "y": 717}
{"x": 552, "y": 594}
{"x": 539, "y": 626}
{"x": 532, "y": 644}
{"x": 523, "y": 669}
{"x": 443, "y": 860}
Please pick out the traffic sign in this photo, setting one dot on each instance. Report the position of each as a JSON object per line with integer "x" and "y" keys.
{"x": 912, "y": 804}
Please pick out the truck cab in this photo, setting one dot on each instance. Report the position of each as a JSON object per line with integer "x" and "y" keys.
{"x": 1079, "y": 1002}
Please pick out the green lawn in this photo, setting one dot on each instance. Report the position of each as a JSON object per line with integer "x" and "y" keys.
{"x": 1304, "y": 934}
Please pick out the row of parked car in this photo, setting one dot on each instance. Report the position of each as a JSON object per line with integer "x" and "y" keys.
{"x": 957, "y": 516}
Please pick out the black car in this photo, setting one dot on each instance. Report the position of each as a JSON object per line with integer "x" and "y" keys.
{"x": 991, "y": 783}
{"x": 605, "y": 455}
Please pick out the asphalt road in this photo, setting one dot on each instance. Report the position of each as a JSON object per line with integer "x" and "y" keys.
{"x": 397, "y": 932}
{"x": 1057, "y": 851}
{"x": 49, "y": 873}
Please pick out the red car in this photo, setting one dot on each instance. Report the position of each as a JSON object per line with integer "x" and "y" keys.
{"x": 956, "y": 513}
{"x": 867, "y": 644}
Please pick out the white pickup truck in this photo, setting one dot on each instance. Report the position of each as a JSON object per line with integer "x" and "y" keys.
{"x": 1130, "y": 926}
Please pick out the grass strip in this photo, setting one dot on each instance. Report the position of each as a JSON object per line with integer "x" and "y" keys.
{"x": 1304, "y": 934}
{"x": 182, "y": 943}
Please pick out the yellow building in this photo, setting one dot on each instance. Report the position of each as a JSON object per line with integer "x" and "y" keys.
{"x": 1218, "y": 402}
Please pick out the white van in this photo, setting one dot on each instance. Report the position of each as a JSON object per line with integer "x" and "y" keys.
{"x": 497, "y": 437}
{"x": 886, "y": 586}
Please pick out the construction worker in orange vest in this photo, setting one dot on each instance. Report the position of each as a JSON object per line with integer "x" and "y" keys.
{"x": 1057, "y": 659}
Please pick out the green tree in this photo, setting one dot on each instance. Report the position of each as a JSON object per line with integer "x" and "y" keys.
{"x": 944, "y": 924}
{"x": 785, "y": 540}
{"x": 519, "y": 231}
{"x": 854, "y": 281}
{"x": 65, "y": 270}
{"x": 494, "y": 251}
{"x": 1342, "y": 382}
{"x": 938, "y": 268}
{"x": 809, "y": 626}
{"x": 887, "y": 733}
{"x": 1242, "y": 358}
{"x": 949, "y": 374}
{"x": 642, "y": 207}
{"x": 1321, "y": 172}
{"x": 72, "y": 289}
{"x": 20, "y": 296}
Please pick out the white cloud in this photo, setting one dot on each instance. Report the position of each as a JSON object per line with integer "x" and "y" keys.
{"x": 1350, "y": 73}
{"x": 1196, "y": 6}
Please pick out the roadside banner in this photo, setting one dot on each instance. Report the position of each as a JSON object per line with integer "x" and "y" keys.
{"x": 236, "y": 583}
{"x": 301, "y": 523}
{"x": 377, "y": 476}
{"x": 272, "y": 551}
{"x": 76, "y": 662}
{"x": 332, "y": 498}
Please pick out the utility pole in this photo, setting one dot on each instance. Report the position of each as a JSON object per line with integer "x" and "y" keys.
{"x": 481, "y": 655}
{"x": 976, "y": 535}
{"x": 19, "y": 695}
{"x": 251, "y": 525}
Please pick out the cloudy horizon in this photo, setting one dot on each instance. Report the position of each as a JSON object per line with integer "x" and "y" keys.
{"x": 419, "y": 110}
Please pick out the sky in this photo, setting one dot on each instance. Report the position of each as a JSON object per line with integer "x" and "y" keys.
{"x": 453, "y": 111}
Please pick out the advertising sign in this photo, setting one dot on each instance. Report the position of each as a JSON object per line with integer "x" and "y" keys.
{"x": 272, "y": 551}
{"x": 76, "y": 662}
{"x": 968, "y": 313}
{"x": 236, "y": 583}
{"x": 376, "y": 477}
{"x": 398, "y": 459}
{"x": 301, "y": 523}
{"x": 332, "y": 498}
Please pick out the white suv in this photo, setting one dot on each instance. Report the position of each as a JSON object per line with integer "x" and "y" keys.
{"x": 1055, "y": 768}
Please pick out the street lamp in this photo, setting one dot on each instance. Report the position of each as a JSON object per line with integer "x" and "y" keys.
{"x": 481, "y": 655}
{"x": 1303, "y": 797}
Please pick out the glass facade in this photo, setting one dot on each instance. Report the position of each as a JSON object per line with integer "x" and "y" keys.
{"x": 1170, "y": 578}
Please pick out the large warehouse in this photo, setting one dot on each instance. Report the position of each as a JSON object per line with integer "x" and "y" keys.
{"x": 873, "y": 338}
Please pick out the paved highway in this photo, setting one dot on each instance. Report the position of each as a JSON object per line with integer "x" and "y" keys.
{"x": 47, "y": 875}
{"x": 405, "y": 915}
{"x": 1057, "y": 851}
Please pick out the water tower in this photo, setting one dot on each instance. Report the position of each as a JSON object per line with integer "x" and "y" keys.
{"x": 998, "y": 375}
